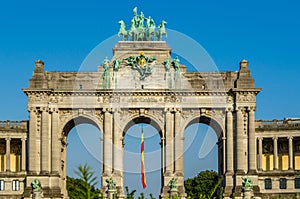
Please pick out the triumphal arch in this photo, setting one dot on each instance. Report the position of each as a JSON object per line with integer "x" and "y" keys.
{"x": 141, "y": 83}
{"x": 145, "y": 83}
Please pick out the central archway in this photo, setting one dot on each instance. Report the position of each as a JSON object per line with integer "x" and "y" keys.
{"x": 153, "y": 156}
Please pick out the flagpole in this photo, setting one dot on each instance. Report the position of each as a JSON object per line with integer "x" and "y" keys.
{"x": 144, "y": 183}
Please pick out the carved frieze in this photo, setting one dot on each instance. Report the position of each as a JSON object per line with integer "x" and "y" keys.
{"x": 144, "y": 99}
{"x": 173, "y": 99}
{"x": 245, "y": 97}
{"x": 38, "y": 97}
{"x": 229, "y": 99}
{"x": 53, "y": 99}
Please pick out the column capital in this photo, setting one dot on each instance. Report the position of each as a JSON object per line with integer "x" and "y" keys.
{"x": 275, "y": 138}
{"x": 45, "y": 109}
{"x": 107, "y": 110}
{"x": 260, "y": 138}
{"x": 53, "y": 110}
{"x": 239, "y": 108}
{"x": 177, "y": 110}
{"x": 7, "y": 138}
{"x": 229, "y": 109}
{"x": 251, "y": 108}
{"x": 32, "y": 109}
{"x": 23, "y": 139}
{"x": 290, "y": 137}
{"x": 167, "y": 110}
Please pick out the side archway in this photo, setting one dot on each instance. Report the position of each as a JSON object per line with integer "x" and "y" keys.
{"x": 66, "y": 128}
{"x": 211, "y": 125}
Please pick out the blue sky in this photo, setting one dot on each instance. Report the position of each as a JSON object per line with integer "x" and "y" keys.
{"x": 63, "y": 33}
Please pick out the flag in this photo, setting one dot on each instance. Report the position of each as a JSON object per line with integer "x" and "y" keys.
{"x": 143, "y": 161}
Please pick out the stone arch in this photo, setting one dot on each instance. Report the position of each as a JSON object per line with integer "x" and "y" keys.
{"x": 76, "y": 119}
{"x": 149, "y": 119}
{"x": 209, "y": 120}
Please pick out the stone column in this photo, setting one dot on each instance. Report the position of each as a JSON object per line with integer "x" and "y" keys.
{"x": 56, "y": 151}
{"x": 169, "y": 144}
{"x": 117, "y": 147}
{"x": 34, "y": 142}
{"x": 107, "y": 149}
{"x": 229, "y": 131}
{"x": 252, "y": 141}
{"x": 7, "y": 154}
{"x": 275, "y": 153}
{"x": 291, "y": 155}
{"x": 45, "y": 143}
{"x": 179, "y": 164}
{"x": 23, "y": 165}
{"x": 260, "y": 151}
{"x": 239, "y": 141}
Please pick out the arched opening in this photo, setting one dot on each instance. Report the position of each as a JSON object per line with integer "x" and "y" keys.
{"x": 203, "y": 147}
{"x": 81, "y": 145}
{"x": 152, "y": 153}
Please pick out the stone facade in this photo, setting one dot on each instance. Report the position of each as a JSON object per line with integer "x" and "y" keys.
{"x": 170, "y": 100}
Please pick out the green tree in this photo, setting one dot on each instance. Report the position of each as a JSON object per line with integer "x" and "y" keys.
{"x": 84, "y": 187}
{"x": 129, "y": 195}
{"x": 204, "y": 185}
{"x": 74, "y": 185}
{"x": 142, "y": 196}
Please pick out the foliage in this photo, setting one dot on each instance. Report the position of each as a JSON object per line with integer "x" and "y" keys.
{"x": 141, "y": 196}
{"x": 74, "y": 185}
{"x": 84, "y": 187}
{"x": 129, "y": 195}
{"x": 203, "y": 186}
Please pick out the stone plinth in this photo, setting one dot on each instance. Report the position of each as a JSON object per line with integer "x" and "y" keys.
{"x": 37, "y": 195}
{"x": 158, "y": 49}
{"x": 247, "y": 194}
{"x": 111, "y": 193}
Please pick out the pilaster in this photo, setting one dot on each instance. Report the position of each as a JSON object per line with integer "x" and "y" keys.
{"x": 229, "y": 131}
{"x": 178, "y": 147}
{"x": 252, "y": 142}
{"x": 239, "y": 141}
{"x": 169, "y": 144}
{"x": 229, "y": 153}
{"x": 107, "y": 142}
{"x": 46, "y": 142}
{"x": 117, "y": 147}
{"x": 56, "y": 151}
{"x": 34, "y": 141}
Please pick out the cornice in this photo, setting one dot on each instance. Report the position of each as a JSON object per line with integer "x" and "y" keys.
{"x": 246, "y": 90}
{"x": 111, "y": 92}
